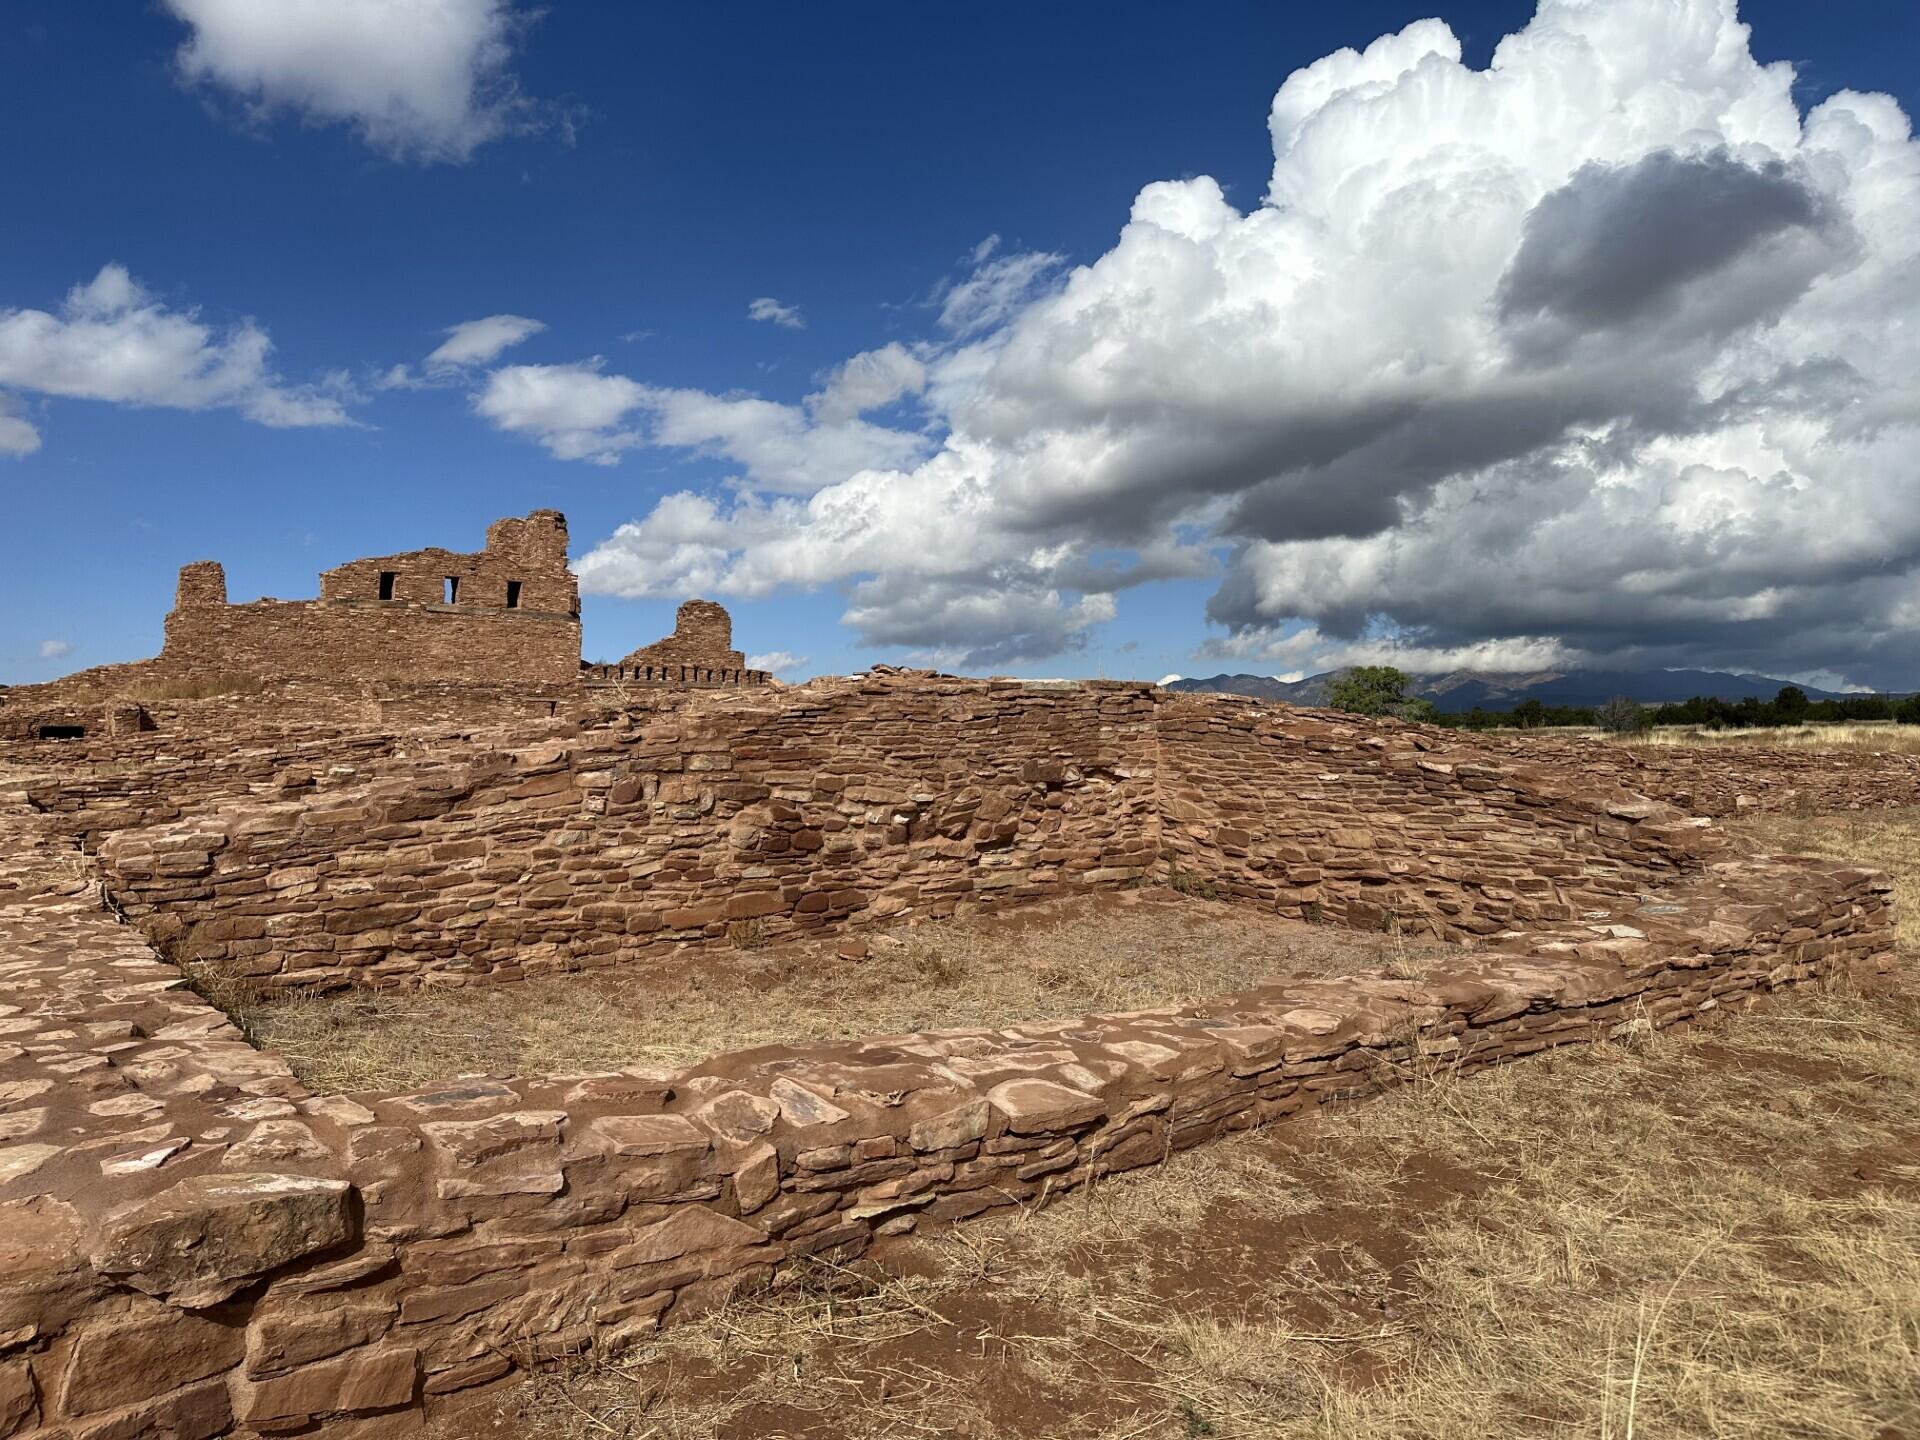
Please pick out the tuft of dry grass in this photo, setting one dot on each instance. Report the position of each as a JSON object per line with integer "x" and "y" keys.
{"x": 1123, "y": 952}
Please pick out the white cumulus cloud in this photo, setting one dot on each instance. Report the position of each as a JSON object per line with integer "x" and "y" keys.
{"x": 110, "y": 340}
{"x": 579, "y": 412}
{"x": 1604, "y": 350}
{"x": 55, "y": 649}
{"x": 417, "y": 79}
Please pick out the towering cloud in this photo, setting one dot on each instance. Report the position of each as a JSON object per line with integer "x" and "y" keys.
{"x": 1606, "y": 349}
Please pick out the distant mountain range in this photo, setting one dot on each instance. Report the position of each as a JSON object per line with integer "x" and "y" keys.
{"x": 1460, "y": 690}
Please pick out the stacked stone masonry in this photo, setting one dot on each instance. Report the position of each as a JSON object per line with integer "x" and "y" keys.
{"x": 511, "y": 611}
{"x": 193, "y": 1246}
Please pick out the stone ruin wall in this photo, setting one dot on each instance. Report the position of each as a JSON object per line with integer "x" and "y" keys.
{"x": 699, "y": 653}
{"x": 514, "y": 614}
{"x": 638, "y": 835}
{"x": 790, "y": 813}
{"x": 1413, "y": 829}
{"x": 191, "y": 1245}
{"x": 1733, "y": 778}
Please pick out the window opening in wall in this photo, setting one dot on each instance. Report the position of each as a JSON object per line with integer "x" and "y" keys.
{"x": 63, "y": 732}
{"x": 513, "y": 594}
{"x": 386, "y": 584}
{"x": 453, "y": 589}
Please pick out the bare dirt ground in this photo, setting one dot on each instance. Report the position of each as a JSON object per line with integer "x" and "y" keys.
{"x": 1120, "y": 951}
{"x": 1711, "y": 1232}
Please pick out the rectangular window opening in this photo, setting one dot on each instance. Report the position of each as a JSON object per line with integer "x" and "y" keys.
{"x": 513, "y": 594}
{"x": 386, "y": 584}
{"x": 63, "y": 732}
{"x": 453, "y": 589}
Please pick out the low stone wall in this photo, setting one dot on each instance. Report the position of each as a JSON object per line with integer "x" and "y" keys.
{"x": 191, "y": 1246}
{"x": 651, "y": 831}
{"x": 1736, "y": 778}
{"x": 1324, "y": 817}
{"x": 645, "y": 832}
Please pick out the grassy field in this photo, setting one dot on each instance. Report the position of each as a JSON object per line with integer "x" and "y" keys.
{"x": 1873, "y": 737}
{"x": 1711, "y": 1232}
{"x": 1124, "y": 951}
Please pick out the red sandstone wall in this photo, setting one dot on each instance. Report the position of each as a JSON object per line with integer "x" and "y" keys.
{"x": 790, "y": 811}
{"x": 839, "y": 805}
{"x": 1732, "y": 779}
{"x": 702, "y": 638}
{"x": 1323, "y": 816}
{"x": 190, "y": 1244}
{"x": 350, "y": 641}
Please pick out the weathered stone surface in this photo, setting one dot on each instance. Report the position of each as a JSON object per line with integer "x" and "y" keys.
{"x": 958, "y": 1126}
{"x": 1036, "y": 1106}
{"x": 738, "y": 1116}
{"x": 196, "y": 1412}
{"x": 205, "y": 1238}
{"x": 640, "y": 1135}
{"x": 686, "y": 1231}
{"x": 119, "y": 1363}
{"x": 17, "y": 1162}
{"x": 283, "y": 1339}
{"x": 19, "y": 1398}
{"x": 756, "y": 1179}
{"x": 369, "y": 1380}
{"x": 469, "y": 1142}
{"x": 276, "y": 1142}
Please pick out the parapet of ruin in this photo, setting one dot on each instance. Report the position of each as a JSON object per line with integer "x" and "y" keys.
{"x": 193, "y": 1244}
{"x": 699, "y": 653}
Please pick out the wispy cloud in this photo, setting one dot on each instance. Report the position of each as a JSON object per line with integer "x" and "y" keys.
{"x": 767, "y": 309}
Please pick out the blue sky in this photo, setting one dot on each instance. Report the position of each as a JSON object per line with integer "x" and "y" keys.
{"x": 635, "y": 178}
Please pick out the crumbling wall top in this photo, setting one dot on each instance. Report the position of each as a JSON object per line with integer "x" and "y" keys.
{"x": 538, "y": 542}
{"x": 523, "y": 567}
{"x": 702, "y": 635}
{"x": 203, "y": 583}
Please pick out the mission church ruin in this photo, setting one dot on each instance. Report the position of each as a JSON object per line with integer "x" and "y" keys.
{"x": 507, "y": 614}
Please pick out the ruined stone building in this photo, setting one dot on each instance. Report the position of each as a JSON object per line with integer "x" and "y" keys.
{"x": 699, "y": 652}
{"x": 510, "y": 612}
{"x": 477, "y": 633}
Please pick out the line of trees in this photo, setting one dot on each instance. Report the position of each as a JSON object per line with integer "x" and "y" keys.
{"x": 1382, "y": 690}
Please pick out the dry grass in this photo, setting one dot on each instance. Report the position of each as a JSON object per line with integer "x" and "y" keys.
{"x": 1868, "y": 737}
{"x": 1713, "y": 1234}
{"x": 1708, "y": 1233}
{"x": 1125, "y": 952}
